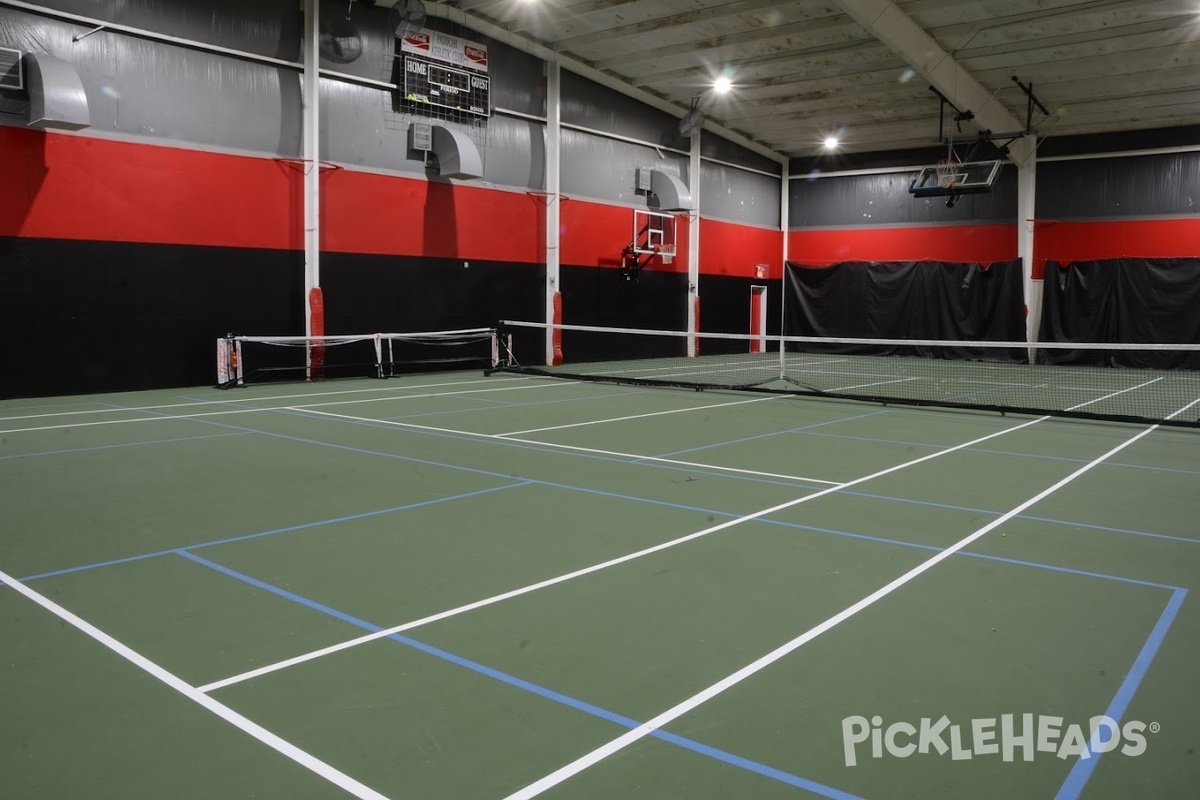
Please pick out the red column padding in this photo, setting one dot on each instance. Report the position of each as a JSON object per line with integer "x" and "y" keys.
{"x": 316, "y": 321}
{"x": 696, "y": 313}
{"x": 556, "y": 359}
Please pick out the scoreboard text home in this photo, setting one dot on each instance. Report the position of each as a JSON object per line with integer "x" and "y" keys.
{"x": 446, "y": 71}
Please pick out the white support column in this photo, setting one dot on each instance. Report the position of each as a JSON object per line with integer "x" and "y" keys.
{"x": 785, "y": 198}
{"x": 312, "y": 156}
{"x": 553, "y": 189}
{"x": 1026, "y": 214}
{"x": 693, "y": 259}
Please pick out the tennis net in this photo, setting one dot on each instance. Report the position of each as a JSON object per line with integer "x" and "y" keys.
{"x": 1125, "y": 382}
{"x": 245, "y": 359}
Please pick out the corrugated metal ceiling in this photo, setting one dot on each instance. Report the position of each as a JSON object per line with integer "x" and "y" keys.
{"x": 808, "y": 69}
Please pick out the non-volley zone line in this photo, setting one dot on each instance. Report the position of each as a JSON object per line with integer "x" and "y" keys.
{"x": 252, "y": 399}
{"x": 527, "y": 686}
{"x": 543, "y": 584}
{"x": 275, "y": 742}
{"x": 528, "y": 385}
{"x": 629, "y": 417}
{"x": 512, "y": 439}
{"x": 625, "y": 740}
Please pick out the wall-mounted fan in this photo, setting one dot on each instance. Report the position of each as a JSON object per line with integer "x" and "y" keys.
{"x": 407, "y": 16}
{"x": 693, "y": 120}
{"x": 340, "y": 40}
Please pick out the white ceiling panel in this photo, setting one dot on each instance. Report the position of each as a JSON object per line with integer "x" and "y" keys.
{"x": 805, "y": 69}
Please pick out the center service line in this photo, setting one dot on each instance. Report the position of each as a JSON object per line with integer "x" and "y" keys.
{"x": 275, "y": 742}
{"x": 671, "y": 714}
{"x": 334, "y": 648}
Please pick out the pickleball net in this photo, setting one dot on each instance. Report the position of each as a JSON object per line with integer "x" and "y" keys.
{"x": 1124, "y": 382}
{"x": 248, "y": 359}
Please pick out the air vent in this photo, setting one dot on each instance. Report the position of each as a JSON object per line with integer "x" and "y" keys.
{"x": 11, "y": 76}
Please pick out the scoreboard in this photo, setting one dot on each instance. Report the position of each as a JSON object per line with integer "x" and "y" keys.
{"x": 435, "y": 84}
{"x": 447, "y": 72}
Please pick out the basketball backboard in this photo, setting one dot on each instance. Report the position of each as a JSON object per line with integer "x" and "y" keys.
{"x": 654, "y": 234}
{"x": 950, "y": 178}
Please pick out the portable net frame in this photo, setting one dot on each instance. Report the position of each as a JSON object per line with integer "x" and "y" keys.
{"x": 246, "y": 359}
{"x": 1123, "y": 382}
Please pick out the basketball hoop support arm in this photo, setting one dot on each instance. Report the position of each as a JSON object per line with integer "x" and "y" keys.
{"x": 959, "y": 116}
{"x": 1030, "y": 101}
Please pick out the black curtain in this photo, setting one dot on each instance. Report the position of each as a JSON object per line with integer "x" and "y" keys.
{"x": 1128, "y": 300}
{"x": 908, "y": 300}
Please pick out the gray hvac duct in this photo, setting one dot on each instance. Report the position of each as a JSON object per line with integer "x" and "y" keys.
{"x": 57, "y": 100}
{"x": 670, "y": 192}
{"x": 456, "y": 154}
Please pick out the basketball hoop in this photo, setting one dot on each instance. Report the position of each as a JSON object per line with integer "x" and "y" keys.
{"x": 665, "y": 252}
{"x": 947, "y": 172}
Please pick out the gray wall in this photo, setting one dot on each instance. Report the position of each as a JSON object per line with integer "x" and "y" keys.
{"x": 604, "y": 168}
{"x": 265, "y": 27}
{"x": 739, "y": 196}
{"x": 144, "y": 88}
{"x": 1165, "y": 184}
{"x": 600, "y": 168}
{"x": 883, "y": 199}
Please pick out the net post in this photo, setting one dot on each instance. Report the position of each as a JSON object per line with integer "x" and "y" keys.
{"x": 693, "y": 341}
{"x": 223, "y": 363}
{"x": 315, "y": 351}
{"x": 783, "y": 289}
{"x": 379, "y": 355}
{"x": 239, "y": 376}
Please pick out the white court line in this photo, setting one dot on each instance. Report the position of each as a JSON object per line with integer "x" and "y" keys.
{"x": 623, "y": 741}
{"x": 533, "y": 587}
{"x": 509, "y": 438}
{"x": 254, "y": 410}
{"x": 232, "y": 399}
{"x": 300, "y": 659}
{"x": 876, "y": 383}
{"x": 638, "y": 416}
{"x": 675, "y": 372}
{"x": 275, "y": 742}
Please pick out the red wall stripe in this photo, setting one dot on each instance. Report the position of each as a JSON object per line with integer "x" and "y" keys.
{"x": 76, "y": 187}
{"x": 970, "y": 243}
{"x": 727, "y": 248}
{"x": 1093, "y": 241}
{"x": 61, "y": 186}
{"x": 364, "y": 212}
{"x": 594, "y": 234}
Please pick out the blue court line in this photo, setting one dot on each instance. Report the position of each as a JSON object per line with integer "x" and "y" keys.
{"x": 714, "y": 471}
{"x": 701, "y": 469}
{"x": 533, "y": 688}
{"x": 582, "y": 489}
{"x": 866, "y": 537}
{"x": 511, "y": 404}
{"x": 123, "y": 444}
{"x": 632, "y": 498}
{"x": 625, "y": 497}
{"x": 765, "y": 435}
{"x": 1042, "y": 457}
{"x": 1083, "y": 769}
{"x": 1125, "y": 531}
{"x": 800, "y": 483}
{"x": 1027, "y": 517}
{"x": 274, "y": 531}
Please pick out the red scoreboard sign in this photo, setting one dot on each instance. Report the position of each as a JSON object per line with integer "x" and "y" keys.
{"x": 446, "y": 71}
